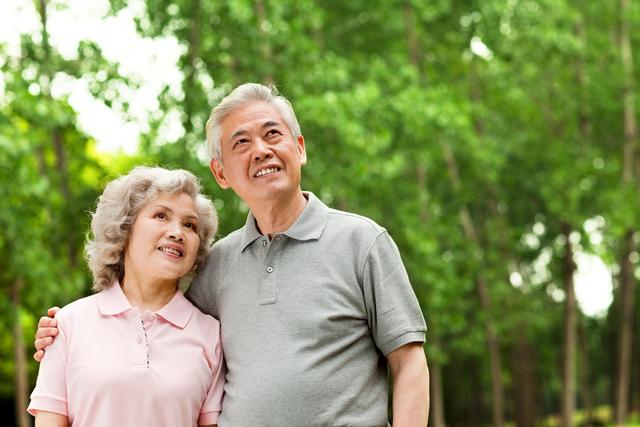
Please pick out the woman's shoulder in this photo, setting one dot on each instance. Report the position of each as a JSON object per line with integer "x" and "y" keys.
{"x": 205, "y": 324}
{"x": 205, "y": 320}
{"x": 79, "y": 307}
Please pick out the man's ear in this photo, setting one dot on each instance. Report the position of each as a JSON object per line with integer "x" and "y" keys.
{"x": 218, "y": 173}
{"x": 302, "y": 152}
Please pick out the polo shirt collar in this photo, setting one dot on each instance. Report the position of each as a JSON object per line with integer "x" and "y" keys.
{"x": 250, "y": 232}
{"x": 112, "y": 301}
{"x": 178, "y": 311}
{"x": 311, "y": 222}
{"x": 309, "y": 225}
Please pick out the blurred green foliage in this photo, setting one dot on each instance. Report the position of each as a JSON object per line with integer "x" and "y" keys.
{"x": 414, "y": 112}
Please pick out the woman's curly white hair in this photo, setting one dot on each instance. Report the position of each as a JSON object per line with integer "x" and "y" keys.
{"x": 117, "y": 208}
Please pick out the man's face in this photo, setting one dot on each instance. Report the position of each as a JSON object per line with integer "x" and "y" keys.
{"x": 262, "y": 160}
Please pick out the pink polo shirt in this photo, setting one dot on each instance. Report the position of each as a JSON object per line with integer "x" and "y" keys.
{"x": 112, "y": 365}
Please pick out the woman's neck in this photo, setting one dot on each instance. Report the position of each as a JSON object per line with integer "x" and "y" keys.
{"x": 148, "y": 295}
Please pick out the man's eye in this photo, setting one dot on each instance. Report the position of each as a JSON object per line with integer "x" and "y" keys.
{"x": 273, "y": 132}
{"x": 240, "y": 141}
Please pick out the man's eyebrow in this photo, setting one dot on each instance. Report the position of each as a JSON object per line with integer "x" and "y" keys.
{"x": 270, "y": 123}
{"x": 238, "y": 133}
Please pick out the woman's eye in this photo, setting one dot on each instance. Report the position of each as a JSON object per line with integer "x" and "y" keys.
{"x": 161, "y": 215}
{"x": 191, "y": 225}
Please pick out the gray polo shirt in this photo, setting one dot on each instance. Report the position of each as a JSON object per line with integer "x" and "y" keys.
{"x": 308, "y": 318}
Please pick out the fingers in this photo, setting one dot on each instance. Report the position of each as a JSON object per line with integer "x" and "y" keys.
{"x": 47, "y": 322}
{"x": 46, "y": 332}
{"x": 47, "y": 329}
{"x": 42, "y": 343}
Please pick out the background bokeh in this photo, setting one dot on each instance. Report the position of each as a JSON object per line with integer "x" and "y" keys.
{"x": 496, "y": 140}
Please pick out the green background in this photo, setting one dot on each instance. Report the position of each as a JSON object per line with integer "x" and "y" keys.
{"x": 480, "y": 165}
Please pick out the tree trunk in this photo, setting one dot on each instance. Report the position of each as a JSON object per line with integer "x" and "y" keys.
{"x": 63, "y": 177}
{"x": 20, "y": 354}
{"x": 413, "y": 44}
{"x": 436, "y": 398}
{"x": 435, "y": 370}
{"x": 267, "y": 56}
{"x": 568, "y": 402}
{"x": 630, "y": 130}
{"x": 193, "y": 54}
{"x": 625, "y": 341}
{"x": 497, "y": 392}
{"x": 585, "y": 387}
{"x": 46, "y": 63}
{"x": 584, "y": 121}
{"x": 57, "y": 136}
{"x": 474, "y": 402}
{"x": 627, "y": 281}
{"x": 437, "y": 394}
{"x": 584, "y": 124}
{"x": 524, "y": 381}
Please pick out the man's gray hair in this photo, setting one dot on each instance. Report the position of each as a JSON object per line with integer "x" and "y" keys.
{"x": 243, "y": 95}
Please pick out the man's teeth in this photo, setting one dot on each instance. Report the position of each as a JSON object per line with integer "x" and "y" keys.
{"x": 267, "y": 171}
{"x": 171, "y": 251}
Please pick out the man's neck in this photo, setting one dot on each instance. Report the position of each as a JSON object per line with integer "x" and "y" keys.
{"x": 278, "y": 215}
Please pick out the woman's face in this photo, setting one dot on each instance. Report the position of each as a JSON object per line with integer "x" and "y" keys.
{"x": 164, "y": 241}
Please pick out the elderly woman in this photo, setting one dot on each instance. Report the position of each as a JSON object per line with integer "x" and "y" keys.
{"x": 137, "y": 352}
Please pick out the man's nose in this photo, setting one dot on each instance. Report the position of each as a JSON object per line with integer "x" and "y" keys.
{"x": 261, "y": 150}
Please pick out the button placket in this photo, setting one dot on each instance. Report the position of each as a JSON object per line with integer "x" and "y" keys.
{"x": 268, "y": 284}
{"x": 141, "y": 351}
{"x": 146, "y": 338}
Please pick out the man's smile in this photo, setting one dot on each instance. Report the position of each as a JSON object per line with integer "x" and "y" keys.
{"x": 266, "y": 171}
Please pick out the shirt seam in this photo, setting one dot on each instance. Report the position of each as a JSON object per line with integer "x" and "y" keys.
{"x": 365, "y": 258}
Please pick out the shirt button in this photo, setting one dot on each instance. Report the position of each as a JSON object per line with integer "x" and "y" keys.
{"x": 264, "y": 243}
{"x": 269, "y": 269}
{"x": 139, "y": 340}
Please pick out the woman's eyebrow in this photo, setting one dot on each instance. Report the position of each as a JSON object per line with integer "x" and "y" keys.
{"x": 168, "y": 209}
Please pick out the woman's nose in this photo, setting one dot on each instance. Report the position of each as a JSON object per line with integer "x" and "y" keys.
{"x": 176, "y": 233}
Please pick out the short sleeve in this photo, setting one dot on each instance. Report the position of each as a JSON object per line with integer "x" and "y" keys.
{"x": 213, "y": 403}
{"x": 50, "y": 393}
{"x": 393, "y": 312}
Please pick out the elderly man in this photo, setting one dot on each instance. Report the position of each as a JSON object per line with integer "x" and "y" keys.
{"x": 315, "y": 304}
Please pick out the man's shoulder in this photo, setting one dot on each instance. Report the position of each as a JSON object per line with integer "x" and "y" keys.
{"x": 227, "y": 243}
{"x": 343, "y": 221}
